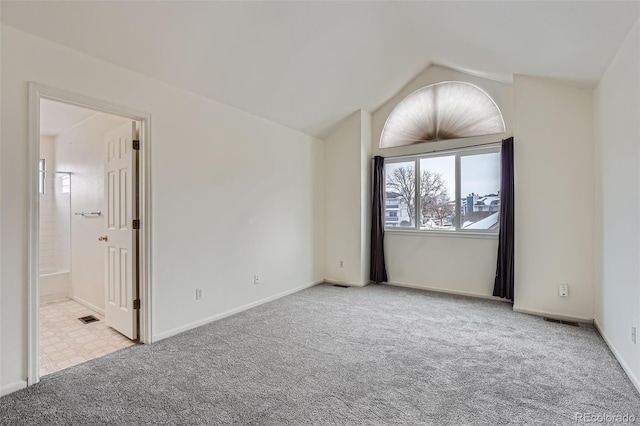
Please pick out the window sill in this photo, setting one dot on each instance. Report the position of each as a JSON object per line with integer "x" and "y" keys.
{"x": 443, "y": 234}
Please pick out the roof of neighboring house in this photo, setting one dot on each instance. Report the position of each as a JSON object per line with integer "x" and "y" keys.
{"x": 488, "y": 200}
{"x": 489, "y": 222}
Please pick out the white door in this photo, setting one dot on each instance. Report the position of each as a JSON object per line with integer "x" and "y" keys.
{"x": 120, "y": 237}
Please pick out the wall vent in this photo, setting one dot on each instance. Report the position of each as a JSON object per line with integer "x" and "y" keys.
{"x": 571, "y": 323}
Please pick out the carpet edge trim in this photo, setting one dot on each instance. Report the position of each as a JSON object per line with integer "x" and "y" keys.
{"x": 616, "y": 354}
{"x": 207, "y": 320}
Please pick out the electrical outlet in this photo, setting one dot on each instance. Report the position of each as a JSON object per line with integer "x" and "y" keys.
{"x": 341, "y": 263}
{"x": 633, "y": 334}
{"x": 198, "y": 293}
{"x": 256, "y": 279}
{"x": 563, "y": 290}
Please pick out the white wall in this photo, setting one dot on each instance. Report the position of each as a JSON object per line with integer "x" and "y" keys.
{"x": 445, "y": 263}
{"x": 233, "y": 194}
{"x": 617, "y": 112}
{"x": 366, "y": 167}
{"x": 347, "y": 171}
{"x": 80, "y": 151}
{"x": 54, "y": 229}
{"x": 554, "y": 198}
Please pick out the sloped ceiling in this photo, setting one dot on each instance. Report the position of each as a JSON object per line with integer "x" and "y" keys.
{"x": 307, "y": 65}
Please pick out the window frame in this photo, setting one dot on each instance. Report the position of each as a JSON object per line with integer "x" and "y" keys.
{"x": 65, "y": 184}
{"x": 41, "y": 176}
{"x": 457, "y": 153}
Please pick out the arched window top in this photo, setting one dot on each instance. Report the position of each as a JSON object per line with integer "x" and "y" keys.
{"x": 447, "y": 110}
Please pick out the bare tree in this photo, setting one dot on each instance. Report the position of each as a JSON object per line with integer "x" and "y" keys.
{"x": 434, "y": 194}
{"x": 403, "y": 181}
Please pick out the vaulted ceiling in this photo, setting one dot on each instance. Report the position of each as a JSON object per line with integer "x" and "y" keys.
{"x": 307, "y": 65}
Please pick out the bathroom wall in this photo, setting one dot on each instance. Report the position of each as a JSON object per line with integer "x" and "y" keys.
{"x": 80, "y": 151}
{"x": 47, "y": 209}
{"x": 54, "y": 244}
{"x": 54, "y": 214}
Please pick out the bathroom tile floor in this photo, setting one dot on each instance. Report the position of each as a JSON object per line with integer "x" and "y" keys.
{"x": 66, "y": 341}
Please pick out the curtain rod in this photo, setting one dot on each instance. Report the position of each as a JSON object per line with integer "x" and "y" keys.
{"x": 439, "y": 150}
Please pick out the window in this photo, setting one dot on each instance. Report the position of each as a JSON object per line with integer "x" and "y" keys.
{"x": 424, "y": 192}
{"x": 65, "y": 183}
{"x": 480, "y": 189}
{"x": 441, "y": 111}
{"x": 437, "y": 192}
{"x": 41, "y": 175}
{"x": 400, "y": 194}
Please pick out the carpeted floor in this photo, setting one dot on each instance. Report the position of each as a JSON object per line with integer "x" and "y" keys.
{"x": 357, "y": 356}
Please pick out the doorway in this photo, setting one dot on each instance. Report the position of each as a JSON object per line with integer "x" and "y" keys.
{"x": 89, "y": 235}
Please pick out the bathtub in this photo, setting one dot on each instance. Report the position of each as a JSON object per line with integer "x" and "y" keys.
{"x": 54, "y": 285}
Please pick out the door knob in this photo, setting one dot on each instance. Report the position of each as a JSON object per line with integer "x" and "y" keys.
{"x": 103, "y": 238}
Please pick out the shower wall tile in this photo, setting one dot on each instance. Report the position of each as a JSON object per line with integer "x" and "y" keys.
{"x": 55, "y": 238}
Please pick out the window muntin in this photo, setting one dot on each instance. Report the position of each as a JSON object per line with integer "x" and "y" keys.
{"x": 424, "y": 192}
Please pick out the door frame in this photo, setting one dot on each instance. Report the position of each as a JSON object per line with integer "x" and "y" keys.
{"x": 39, "y": 91}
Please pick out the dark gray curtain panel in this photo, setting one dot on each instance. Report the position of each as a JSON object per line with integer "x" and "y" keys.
{"x": 504, "y": 283}
{"x": 378, "y": 270}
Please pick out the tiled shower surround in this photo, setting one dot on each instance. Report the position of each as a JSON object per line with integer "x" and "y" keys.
{"x": 55, "y": 222}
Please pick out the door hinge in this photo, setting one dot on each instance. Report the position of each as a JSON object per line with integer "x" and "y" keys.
{"x": 136, "y": 304}
{"x": 136, "y": 224}
{"x": 136, "y": 144}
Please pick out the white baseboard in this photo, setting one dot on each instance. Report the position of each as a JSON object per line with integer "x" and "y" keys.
{"x": 447, "y": 291}
{"x": 53, "y": 297}
{"x": 195, "y": 324}
{"x": 12, "y": 387}
{"x": 88, "y": 305}
{"x": 336, "y": 282}
{"x": 621, "y": 360}
{"x": 552, "y": 315}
